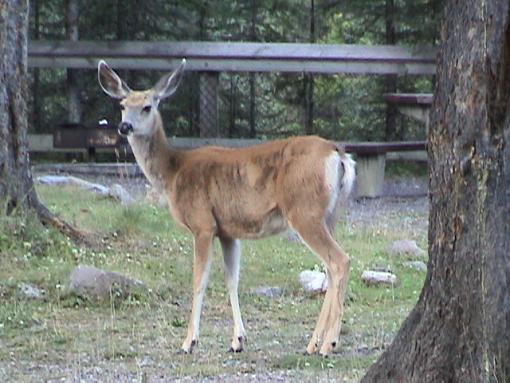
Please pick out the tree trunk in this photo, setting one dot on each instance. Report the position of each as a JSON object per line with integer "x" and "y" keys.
{"x": 390, "y": 80}
{"x": 253, "y": 37}
{"x": 36, "y": 105}
{"x": 73, "y": 87}
{"x": 459, "y": 329}
{"x": 308, "y": 80}
{"x": 16, "y": 186}
{"x": 17, "y": 193}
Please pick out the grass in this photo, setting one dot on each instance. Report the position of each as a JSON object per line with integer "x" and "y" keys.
{"x": 64, "y": 336}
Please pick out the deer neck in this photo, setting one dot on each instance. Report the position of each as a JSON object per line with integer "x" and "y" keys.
{"x": 153, "y": 154}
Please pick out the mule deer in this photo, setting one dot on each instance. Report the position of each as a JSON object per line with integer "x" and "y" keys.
{"x": 236, "y": 194}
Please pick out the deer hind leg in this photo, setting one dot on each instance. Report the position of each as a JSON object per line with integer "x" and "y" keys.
{"x": 318, "y": 238}
{"x": 231, "y": 259}
{"x": 201, "y": 267}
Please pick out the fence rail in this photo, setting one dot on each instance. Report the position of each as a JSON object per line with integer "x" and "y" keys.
{"x": 236, "y": 56}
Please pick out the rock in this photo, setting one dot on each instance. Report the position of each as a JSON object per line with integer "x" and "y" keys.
{"x": 384, "y": 268}
{"x": 116, "y": 191}
{"x": 267, "y": 291}
{"x": 313, "y": 281}
{"x": 406, "y": 247}
{"x": 119, "y": 193}
{"x": 70, "y": 180}
{"x": 417, "y": 265}
{"x": 30, "y": 291}
{"x": 91, "y": 282}
{"x": 292, "y": 236}
{"x": 370, "y": 278}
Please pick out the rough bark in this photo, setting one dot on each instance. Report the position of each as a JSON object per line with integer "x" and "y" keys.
{"x": 459, "y": 329}
{"x": 17, "y": 191}
{"x": 16, "y": 187}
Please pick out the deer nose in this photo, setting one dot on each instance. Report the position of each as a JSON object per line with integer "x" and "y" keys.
{"x": 125, "y": 128}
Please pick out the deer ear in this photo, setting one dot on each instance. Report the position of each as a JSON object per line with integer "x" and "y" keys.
{"x": 110, "y": 81}
{"x": 168, "y": 84}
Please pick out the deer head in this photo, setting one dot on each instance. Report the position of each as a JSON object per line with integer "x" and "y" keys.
{"x": 139, "y": 108}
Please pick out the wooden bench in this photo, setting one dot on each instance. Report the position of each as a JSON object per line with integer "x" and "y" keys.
{"x": 414, "y": 105}
{"x": 371, "y": 163}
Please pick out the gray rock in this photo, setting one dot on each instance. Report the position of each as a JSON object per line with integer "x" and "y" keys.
{"x": 30, "y": 291}
{"x": 292, "y": 236}
{"x": 406, "y": 247}
{"x": 91, "y": 282}
{"x": 119, "y": 193}
{"x": 313, "y": 281}
{"x": 267, "y": 291}
{"x": 116, "y": 191}
{"x": 70, "y": 180}
{"x": 371, "y": 278}
{"x": 417, "y": 265}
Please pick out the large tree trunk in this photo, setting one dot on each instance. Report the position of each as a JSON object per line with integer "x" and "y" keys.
{"x": 459, "y": 329}
{"x": 16, "y": 186}
{"x": 17, "y": 191}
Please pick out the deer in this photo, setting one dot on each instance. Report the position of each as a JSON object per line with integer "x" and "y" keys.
{"x": 297, "y": 183}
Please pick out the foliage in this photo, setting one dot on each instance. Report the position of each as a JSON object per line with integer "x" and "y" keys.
{"x": 345, "y": 107}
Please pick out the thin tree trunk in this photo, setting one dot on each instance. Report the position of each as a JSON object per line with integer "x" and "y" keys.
{"x": 391, "y": 80}
{"x": 36, "y": 105}
{"x": 459, "y": 329}
{"x": 73, "y": 86}
{"x": 232, "y": 114}
{"x": 308, "y": 80}
{"x": 17, "y": 193}
{"x": 253, "y": 37}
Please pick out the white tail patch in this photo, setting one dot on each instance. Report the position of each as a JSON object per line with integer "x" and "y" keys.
{"x": 349, "y": 175}
{"x": 339, "y": 188}
{"x": 331, "y": 178}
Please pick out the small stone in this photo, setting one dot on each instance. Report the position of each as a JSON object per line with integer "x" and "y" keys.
{"x": 30, "y": 291}
{"x": 370, "y": 278}
{"x": 313, "y": 281}
{"x": 267, "y": 291}
{"x": 119, "y": 193}
{"x": 384, "y": 268}
{"x": 406, "y": 247}
{"x": 91, "y": 282}
{"x": 417, "y": 265}
{"x": 292, "y": 236}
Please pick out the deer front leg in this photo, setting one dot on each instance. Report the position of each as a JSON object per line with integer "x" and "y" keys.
{"x": 201, "y": 267}
{"x": 231, "y": 257}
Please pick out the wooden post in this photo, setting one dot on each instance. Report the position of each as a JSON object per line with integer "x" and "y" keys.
{"x": 208, "y": 120}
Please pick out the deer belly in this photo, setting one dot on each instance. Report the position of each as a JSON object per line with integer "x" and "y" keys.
{"x": 249, "y": 226}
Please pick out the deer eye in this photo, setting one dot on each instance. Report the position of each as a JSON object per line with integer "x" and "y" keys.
{"x": 122, "y": 107}
{"x": 147, "y": 109}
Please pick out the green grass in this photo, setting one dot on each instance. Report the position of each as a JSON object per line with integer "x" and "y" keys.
{"x": 141, "y": 335}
